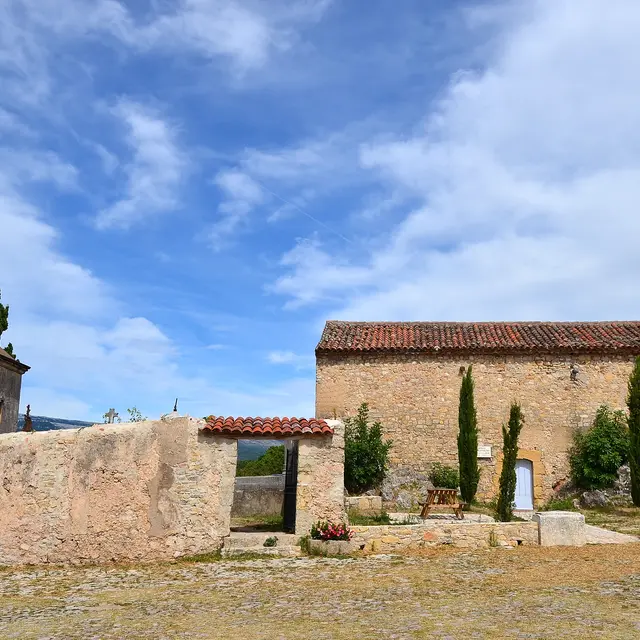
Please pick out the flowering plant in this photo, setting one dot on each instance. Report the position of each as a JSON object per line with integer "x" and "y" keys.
{"x": 330, "y": 531}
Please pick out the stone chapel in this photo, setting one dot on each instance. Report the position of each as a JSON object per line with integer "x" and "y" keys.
{"x": 410, "y": 372}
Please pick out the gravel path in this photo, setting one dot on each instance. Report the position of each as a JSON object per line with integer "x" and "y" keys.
{"x": 588, "y": 592}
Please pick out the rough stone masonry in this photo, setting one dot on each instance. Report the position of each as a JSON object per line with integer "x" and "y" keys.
{"x": 410, "y": 374}
{"x": 140, "y": 491}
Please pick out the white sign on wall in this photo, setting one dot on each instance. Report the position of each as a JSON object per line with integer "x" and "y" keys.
{"x": 484, "y": 451}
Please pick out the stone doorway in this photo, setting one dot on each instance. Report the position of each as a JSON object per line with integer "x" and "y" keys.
{"x": 263, "y": 475}
{"x": 524, "y": 485}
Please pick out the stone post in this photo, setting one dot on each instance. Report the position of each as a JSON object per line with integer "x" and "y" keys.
{"x": 320, "y": 492}
{"x": 560, "y": 528}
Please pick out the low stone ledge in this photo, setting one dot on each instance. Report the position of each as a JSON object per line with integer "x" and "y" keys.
{"x": 560, "y": 528}
{"x": 465, "y": 535}
{"x": 332, "y": 547}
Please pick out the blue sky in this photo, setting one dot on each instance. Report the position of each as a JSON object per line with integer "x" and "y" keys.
{"x": 190, "y": 188}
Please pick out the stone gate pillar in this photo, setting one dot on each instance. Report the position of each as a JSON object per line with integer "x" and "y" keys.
{"x": 320, "y": 490}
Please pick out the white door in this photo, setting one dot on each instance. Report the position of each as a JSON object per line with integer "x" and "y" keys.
{"x": 524, "y": 484}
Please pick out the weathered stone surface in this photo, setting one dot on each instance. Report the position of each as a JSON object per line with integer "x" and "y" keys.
{"x": 258, "y": 496}
{"x": 415, "y": 396}
{"x": 332, "y": 547}
{"x": 364, "y": 505}
{"x": 468, "y": 535}
{"x": 141, "y": 491}
{"x": 406, "y": 488}
{"x": 623, "y": 484}
{"x": 595, "y": 498}
{"x": 560, "y": 528}
{"x": 11, "y": 372}
{"x": 320, "y": 492}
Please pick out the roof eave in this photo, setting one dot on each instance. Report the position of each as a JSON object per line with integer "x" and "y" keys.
{"x": 16, "y": 365}
{"x": 631, "y": 351}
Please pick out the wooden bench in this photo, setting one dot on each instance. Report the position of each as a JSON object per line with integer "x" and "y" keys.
{"x": 443, "y": 499}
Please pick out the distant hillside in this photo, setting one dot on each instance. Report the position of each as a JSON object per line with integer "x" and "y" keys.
{"x": 43, "y": 423}
{"x": 247, "y": 450}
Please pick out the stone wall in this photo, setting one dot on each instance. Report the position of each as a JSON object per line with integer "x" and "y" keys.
{"x": 140, "y": 491}
{"x": 416, "y": 398}
{"x": 364, "y": 505}
{"x": 10, "y": 383}
{"x": 320, "y": 491}
{"x": 258, "y": 496}
{"x": 466, "y": 535}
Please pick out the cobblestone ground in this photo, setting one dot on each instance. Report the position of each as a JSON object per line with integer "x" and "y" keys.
{"x": 592, "y": 592}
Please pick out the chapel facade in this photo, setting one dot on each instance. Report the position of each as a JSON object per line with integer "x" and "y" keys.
{"x": 410, "y": 375}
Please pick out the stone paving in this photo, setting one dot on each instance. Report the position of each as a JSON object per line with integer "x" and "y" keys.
{"x": 587, "y": 592}
{"x": 598, "y": 535}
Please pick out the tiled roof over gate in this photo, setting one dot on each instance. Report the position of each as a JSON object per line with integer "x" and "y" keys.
{"x": 504, "y": 337}
{"x": 267, "y": 427}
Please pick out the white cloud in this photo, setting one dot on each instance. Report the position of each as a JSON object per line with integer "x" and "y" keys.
{"x": 246, "y": 33}
{"x": 528, "y": 172}
{"x": 156, "y": 170}
{"x": 85, "y": 352}
{"x": 242, "y": 194}
{"x": 286, "y": 180}
{"x": 28, "y": 165}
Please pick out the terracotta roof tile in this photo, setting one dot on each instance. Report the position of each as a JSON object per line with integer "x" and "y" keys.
{"x": 509, "y": 337}
{"x": 267, "y": 427}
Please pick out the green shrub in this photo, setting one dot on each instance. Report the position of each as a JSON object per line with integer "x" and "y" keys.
{"x": 366, "y": 455}
{"x": 559, "y": 504}
{"x": 598, "y": 452}
{"x": 303, "y": 542}
{"x": 362, "y": 520}
{"x": 271, "y": 541}
{"x": 444, "y": 477}
{"x": 271, "y": 462}
{"x": 509, "y": 456}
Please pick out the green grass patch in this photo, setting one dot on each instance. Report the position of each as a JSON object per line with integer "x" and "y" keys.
{"x": 259, "y": 523}
{"x": 358, "y": 519}
{"x": 211, "y": 556}
{"x": 559, "y": 504}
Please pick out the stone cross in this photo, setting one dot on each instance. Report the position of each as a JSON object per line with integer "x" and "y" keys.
{"x": 28, "y": 422}
{"x": 111, "y": 415}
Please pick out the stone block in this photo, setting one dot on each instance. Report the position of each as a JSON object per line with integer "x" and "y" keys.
{"x": 331, "y": 547}
{"x": 364, "y": 505}
{"x": 560, "y": 528}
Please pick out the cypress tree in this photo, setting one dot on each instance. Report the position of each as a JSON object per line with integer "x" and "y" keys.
{"x": 468, "y": 440}
{"x": 633, "y": 402}
{"x": 509, "y": 457}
